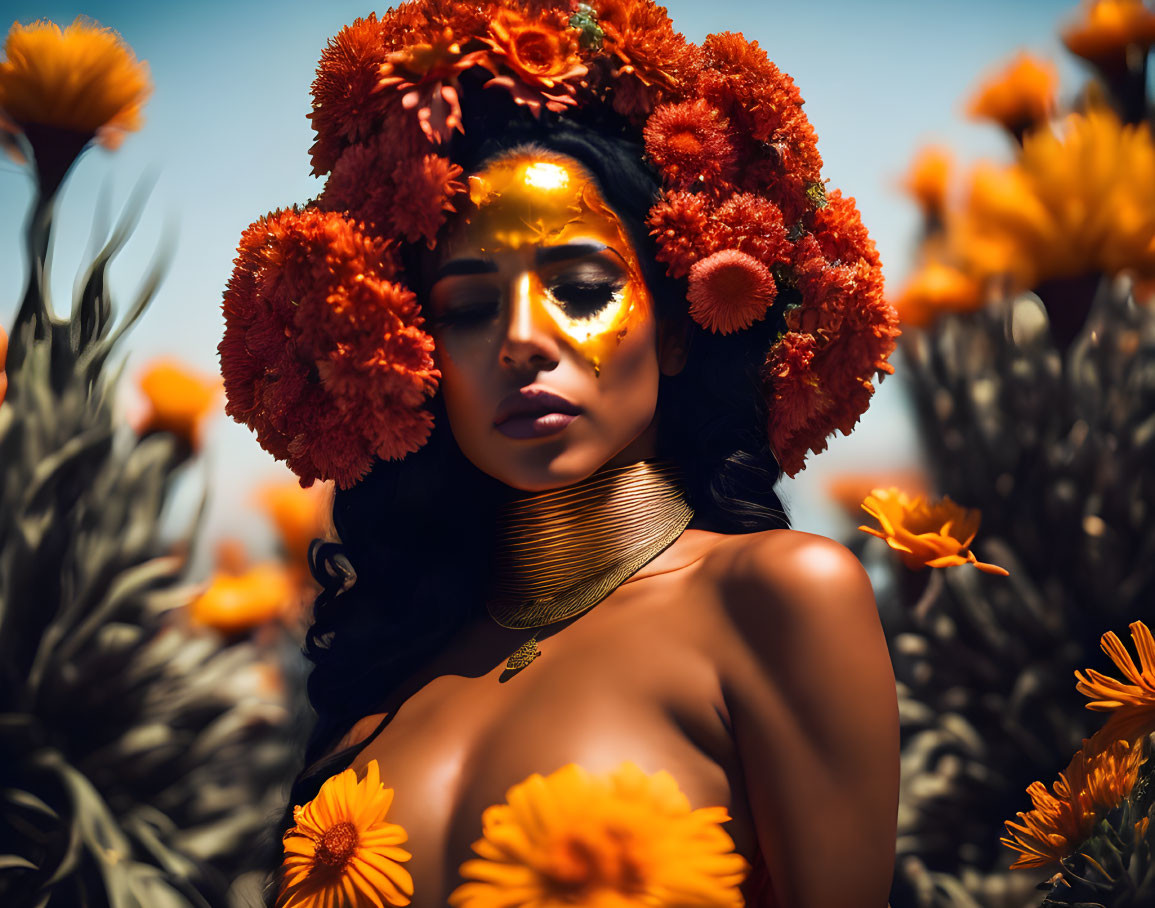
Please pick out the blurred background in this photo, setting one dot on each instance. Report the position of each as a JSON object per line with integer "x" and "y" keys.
{"x": 227, "y": 139}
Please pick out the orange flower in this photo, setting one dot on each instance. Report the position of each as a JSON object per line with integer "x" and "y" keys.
{"x": 847, "y": 490}
{"x": 624, "y": 840}
{"x": 342, "y": 851}
{"x": 179, "y": 400}
{"x": 934, "y": 289}
{"x": 300, "y": 515}
{"x": 679, "y": 220}
{"x": 1108, "y": 28}
{"x": 1132, "y": 706}
{"x": 652, "y": 58}
{"x": 1079, "y": 200}
{"x": 353, "y": 385}
{"x": 690, "y": 144}
{"x": 426, "y": 76}
{"x": 927, "y": 180}
{"x": 1094, "y": 783}
{"x": 729, "y": 291}
{"x": 925, "y": 534}
{"x": 543, "y": 57}
{"x": 1019, "y": 96}
{"x": 236, "y": 603}
{"x": 83, "y": 78}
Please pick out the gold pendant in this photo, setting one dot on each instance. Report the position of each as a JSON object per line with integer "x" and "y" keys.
{"x": 523, "y": 655}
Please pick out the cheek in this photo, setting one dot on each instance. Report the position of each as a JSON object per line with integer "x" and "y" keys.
{"x": 464, "y": 372}
{"x": 627, "y": 387}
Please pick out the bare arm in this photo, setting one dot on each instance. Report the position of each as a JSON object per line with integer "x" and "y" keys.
{"x": 815, "y": 719}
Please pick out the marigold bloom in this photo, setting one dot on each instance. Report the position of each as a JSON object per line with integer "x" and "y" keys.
{"x": 925, "y": 534}
{"x": 652, "y": 58}
{"x": 352, "y": 386}
{"x": 1019, "y": 96}
{"x": 729, "y": 291}
{"x": 1132, "y": 706}
{"x": 342, "y": 851}
{"x": 928, "y": 178}
{"x": 237, "y": 602}
{"x": 625, "y": 839}
{"x": 300, "y": 515}
{"x": 179, "y": 400}
{"x": 679, "y": 222}
{"x": 1079, "y": 200}
{"x": 1108, "y": 28}
{"x": 689, "y": 143}
{"x": 936, "y": 288}
{"x": 1095, "y": 782}
{"x": 82, "y": 78}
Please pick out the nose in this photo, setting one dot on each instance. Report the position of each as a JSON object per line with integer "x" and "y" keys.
{"x": 529, "y": 342}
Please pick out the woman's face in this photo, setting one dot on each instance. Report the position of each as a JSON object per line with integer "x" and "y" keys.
{"x": 545, "y": 332}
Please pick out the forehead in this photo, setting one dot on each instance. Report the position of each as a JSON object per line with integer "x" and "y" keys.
{"x": 533, "y": 198}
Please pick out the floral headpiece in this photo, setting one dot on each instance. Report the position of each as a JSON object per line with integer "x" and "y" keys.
{"x": 324, "y": 355}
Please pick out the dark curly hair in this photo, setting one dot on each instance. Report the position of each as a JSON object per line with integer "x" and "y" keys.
{"x": 388, "y": 605}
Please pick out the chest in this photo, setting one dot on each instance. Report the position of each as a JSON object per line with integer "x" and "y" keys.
{"x": 624, "y": 682}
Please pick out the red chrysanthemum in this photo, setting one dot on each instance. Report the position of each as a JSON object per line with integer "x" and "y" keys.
{"x": 752, "y": 225}
{"x": 729, "y": 291}
{"x": 345, "y": 107}
{"x": 851, "y": 330}
{"x": 653, "y": 60}
{"x": 323, "y": 356}
{"x": 690, "y": 144}
{"x": 542, "y": 56}
{"x": 839, "y": 230}
{"x": 393, "y": 186}
{"x": 679, "y": 221}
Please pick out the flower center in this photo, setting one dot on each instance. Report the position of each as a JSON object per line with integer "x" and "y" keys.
{"x": 581, "y": 867}
{"x": 535, "y": 50}
{"x": 685, "y": 142}
{"x": 337, "y": 845}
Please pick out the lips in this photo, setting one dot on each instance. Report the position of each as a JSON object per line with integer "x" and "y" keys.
{"x": 534, "y": 412}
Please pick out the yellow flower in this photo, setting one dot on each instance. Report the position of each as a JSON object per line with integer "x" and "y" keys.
{"x": 848, "y": 489}
{"x": 934, "y": 289}
{"x": 623, "y": 840}
{"x": 83, "y": 78}
{"x": 342, "y": 853}
{"x": 1079, "y": 200}
{"x": 925, "y": 534}
{"x": 300, "y": 515}
{"x": 179, "y": 400}
{"x": 1132, "y": 706}
{"x": 1108, "y": 28}
{"x": 237, "y": 602}
{"x": 1019, "y": 96}
{"x": 1096, "y": 781}
{"x": 927, "y": 179}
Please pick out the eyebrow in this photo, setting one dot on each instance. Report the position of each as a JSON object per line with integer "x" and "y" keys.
{"x": 466, "y": 266}
{"x": 545, "y": 255}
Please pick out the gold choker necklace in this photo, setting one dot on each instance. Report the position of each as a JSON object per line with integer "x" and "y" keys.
{"x": 562, "y": 552}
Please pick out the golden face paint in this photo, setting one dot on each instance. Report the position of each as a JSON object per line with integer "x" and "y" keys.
{"x": 528, "y": 201}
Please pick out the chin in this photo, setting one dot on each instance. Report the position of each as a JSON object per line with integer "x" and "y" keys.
{"x": 538, "y": 466}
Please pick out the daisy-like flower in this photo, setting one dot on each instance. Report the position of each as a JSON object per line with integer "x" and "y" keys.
{"x": 690, "y": 144}
{"x": 729, "y": 291}
{"x": 936, "y": 288}
{"x": 926, "y": 534}
{"x": 1132, "y": 706}
{"x": 1107, "y": 29}
{"x": 847, "y": 490}
{"x": 1096, "y": 782}
{"x": 342, "y": 851}
{"x": 238, "y": 601}
{"x": 352, "y": 386}
{"x": 624, "y": 840}
{"x": 542, "y": 57}
{"x": 1019, "y": 96}
{"x": 63, "y": 87}
{"x": 927, "y": 180}
{"x": 179, "y": 399}
{"x": 426, "y": 76}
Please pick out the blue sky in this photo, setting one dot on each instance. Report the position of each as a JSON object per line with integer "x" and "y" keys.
{"x": 227, "y": 137}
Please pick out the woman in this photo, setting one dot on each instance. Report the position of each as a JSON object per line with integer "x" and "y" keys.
{"x": 571, "y": 298}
